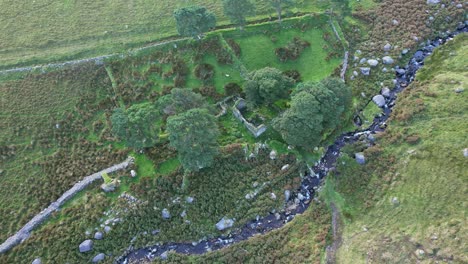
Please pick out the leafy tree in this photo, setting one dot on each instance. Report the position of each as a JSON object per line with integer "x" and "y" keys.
{"x": 193, "y": 21}
{"x": 301, "y": 124}
{"x": 136, "y": 125}
{"x": 341, "y": 90}
{"x": 267, "y": 85}
{"x": 279, "y": 5}
{"x": 194, "y": 135}
{"x": 179, "y": 101}
{"x": 237, "y": 10}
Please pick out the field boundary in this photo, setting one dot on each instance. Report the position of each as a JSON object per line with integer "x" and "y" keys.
{"x": 25, "y": 231}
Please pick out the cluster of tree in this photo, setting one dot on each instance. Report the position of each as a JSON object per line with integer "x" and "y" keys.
{"x": 267, "y": 85}
{"x": 316, "y": 108}
{"x": 191, "y": 126}
{"x": 193, "y": 21}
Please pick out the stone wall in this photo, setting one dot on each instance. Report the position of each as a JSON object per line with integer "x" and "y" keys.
{"x": 255, "y": 130}
{"x": 25, "y": 231}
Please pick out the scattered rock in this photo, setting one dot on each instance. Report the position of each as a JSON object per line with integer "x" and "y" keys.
{"x": 285, "y": 167}
{"x": 420, "y": 253}
{"x": 133, "y": 173}
{"x": 419, "y": 56}
{"x": 99, "y": 257}
{"x": 355, "y": 73}
{"x": 405, "y": 51}
{"x": 109, "y": 187}
{"x": 465, "y": 153}
{"x": 372, "y": 62}
{"x": 255, "y": 184}
{"x": 107, "y": 229}
{"x": 395, "y": 201}
{"x": 300, "y": 197}
{"x": 273, "y": 155}
{"x": 360, "y": 158}
{"x": 224, "y": 223}
{"x": 387, "y": 60}
{"x": 37, "y": 261}
{"x": 459, "y": 90}
{"x": 249, "y": 196}
{"x": 189, "y": 199}
{"x": 365, "y": 71}
{"x": 385, "y": 92}
{"x": 433, "y": 2}
{"x": 387, "y": 47}
{"x": 287, "y": 195}
{"x": 98, "y": 235}
{"x": 395, "y": 22}
{"x": 183, "y": 214}
{"x": 277, "y": 216}
{"x": 164, "y": 255}
{"x": 86, "y": 246}
{"x": 362, "y": 61}
{"x": 379, "y": 100}
{"x": 165, "y": 214}
{"x": 273, "y": 196}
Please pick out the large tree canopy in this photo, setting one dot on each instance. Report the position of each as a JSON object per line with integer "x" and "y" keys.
{"x": 237, "y": 10}
{"x": 316, "y": 108}
{"x": 136, "y": 125}
{"x": 194, "y": 135}
{"x": 301, "y": 124}
{"x": 193, "y": 21}
{"x": 179, "y": 101}
{"x": 267, "y": 85}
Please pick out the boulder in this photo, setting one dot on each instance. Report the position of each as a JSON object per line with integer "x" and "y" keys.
{"x": 287, "y": 195}
{"x": 362, "y": 61}
{"x": 224, "y": 223}
{"x": 165, "y": 214}
{"x": 133, "y": 173}
{"x": 395, "y": 201}
{"x": 99, "y": 257}
{"x": 365, "y": 71}
{"x": 107, "y": 229}
{"x": 37, "y": 261}
{"x": 86, "y": 246}
{"x": 419, "y": 56}
{"x": 433, "y": 2}
{"x": 189, "y": 199}
{"x": 465, "y": 153}
{"x": 183, "y": 214}
{"x": 400, "y": 71}
{"x": 164, "y": 256}
{"x": 373, "y": 62}
{"x": 285, "y": 167}
{"x": 404, "y": 52}
{"x": 98, "y": 235}
{"x": 385, "y": 92}
{"x": 379, "y": 100}
{"x": 360, "y": 158}
{"x": 273, "y": 155}
{"x": 387, "y": 47}
{"x": 387, "y": 60}
{"x": 109, "y": 187}
{"x": 273, "y": 195}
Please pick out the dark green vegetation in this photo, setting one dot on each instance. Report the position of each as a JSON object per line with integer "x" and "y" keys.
{"x": 267, "y": 86}
{"x": 194, "y": 135}
{"x": 193, "y": 21}
{"x": 317, "y": 109}
{"x": 238, "y": 10}
{"x": 406, "y": 205}
{"x": 59, "y": 129}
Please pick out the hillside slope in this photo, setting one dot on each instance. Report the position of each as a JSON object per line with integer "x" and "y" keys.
{"x": 408, "y": 203}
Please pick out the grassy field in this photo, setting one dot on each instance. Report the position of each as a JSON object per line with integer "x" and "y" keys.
{"x": 44, "y": 30}
{"x": 407, "y": 204}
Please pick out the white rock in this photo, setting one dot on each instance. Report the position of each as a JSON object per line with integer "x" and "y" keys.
{"x": 224, "y": 223}
{"x": 433, "y": 2}
{"x": 86, "y": 246}
{"x": 99, "y": 257}
{"x": 387, "y": 60}
{"x": 273, "y": 196}
{"x": 385, "y": 92}
{"x": 360, "y": 158}
{"x": 465, "y": 153}
{"x": 387, "y": 47}
{"x": 379, "y": 100}
{"x": 365, "y": 71}
{"x": 285, "y": 167}
{"x": 37, "y": 261}
{"x": 273, "y": 155}
{"x": 133, "y": 173}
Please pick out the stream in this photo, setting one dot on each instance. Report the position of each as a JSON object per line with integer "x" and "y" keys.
{"x": 301, "y": 199}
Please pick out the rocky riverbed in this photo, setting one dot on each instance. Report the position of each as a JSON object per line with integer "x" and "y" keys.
{"x": 299, "y": 201}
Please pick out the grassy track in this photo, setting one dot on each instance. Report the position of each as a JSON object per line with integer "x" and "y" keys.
{"x": 44, "y": 30}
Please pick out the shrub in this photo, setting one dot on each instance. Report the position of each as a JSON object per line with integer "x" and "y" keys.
{"x": 232, "y": 89}
{"x": 293, "y": 50}
{"x": 204, "y": 72}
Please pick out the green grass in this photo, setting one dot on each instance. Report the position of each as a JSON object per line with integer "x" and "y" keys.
{"x": 312, "y": 63}
{"x": 40, "y": 31}
{"x": 427, "y": 177}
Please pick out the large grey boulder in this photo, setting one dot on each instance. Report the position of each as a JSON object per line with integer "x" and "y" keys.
{"x": 86, "y": 246}
{"x": 379, "y": 100}
{"x": 433, "y": 2}
{"x": 373, "y": 62}
{"x": 99, "y": 257}
{"x": 287, "y": 195}
{"x": 166, "y": 214}
{"x": 107, "y": 229}
{"x": 37, "y": 261}
{"x": 360, "y": 158}
{"x": 98, "y": 235}
{"x": 387, "y": 60}
{"x": 273, "y": 155}
{"x": 385, "y": 92}
{"x": 387, "y": 47}
{"x": 365, "y": 71}
{"x": 224, "y": 223}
